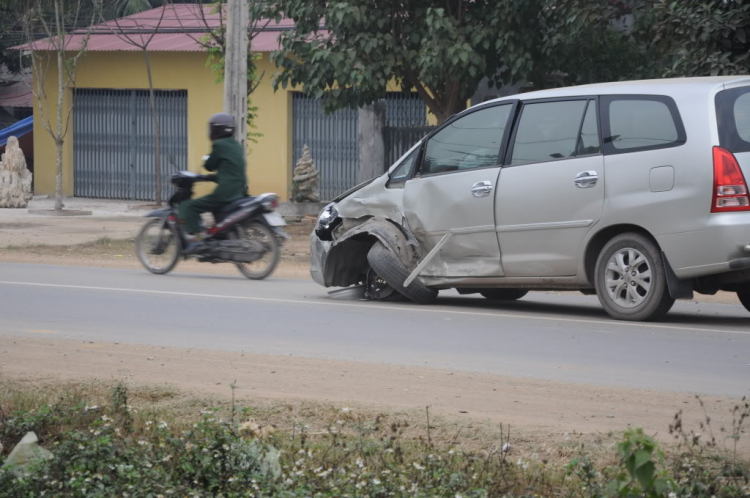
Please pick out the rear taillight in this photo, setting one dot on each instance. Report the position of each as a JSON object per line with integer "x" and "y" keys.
{"x": 730, "y": 187}
{"x": 275, "y": 203}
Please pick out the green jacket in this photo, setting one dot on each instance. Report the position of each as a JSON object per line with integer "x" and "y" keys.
{"x": 228, "y": 161}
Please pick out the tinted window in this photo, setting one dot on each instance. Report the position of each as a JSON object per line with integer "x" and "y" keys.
{"x": 588, "y": 142}
{"x": 472, "y": 141}
{"x": 742, "y": 116}
{"x": 547, "y": 131}
{"x": 404, "y": 170}
{"x": 635, "y": 123}
{"x": 733, "y": 117}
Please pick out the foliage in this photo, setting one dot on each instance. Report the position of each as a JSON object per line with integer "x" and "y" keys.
{"x": 119, "y": 450}
{"x": 444, "y": 49}
{"x": 696, "y": 37}
{"x": 638, "y": 453}
{"x": 101, "y": 456}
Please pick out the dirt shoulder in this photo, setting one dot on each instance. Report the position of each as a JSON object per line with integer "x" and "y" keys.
{"x": 109, "y": 243}
{"x": 547, "y": 407}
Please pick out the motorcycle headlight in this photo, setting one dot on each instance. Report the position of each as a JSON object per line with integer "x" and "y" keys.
{"x": 327, "y": 221}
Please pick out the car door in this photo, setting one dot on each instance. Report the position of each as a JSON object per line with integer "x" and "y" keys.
{"x": 452, "y": 194}
{"x": 551, "y": 189}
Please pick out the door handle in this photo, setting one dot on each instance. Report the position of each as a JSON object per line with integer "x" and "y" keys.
{"x": 481, "y": 189}
{"x": 586, "y": 179}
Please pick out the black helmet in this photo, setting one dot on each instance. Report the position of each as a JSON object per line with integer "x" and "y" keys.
{"x": 221, "y": 125}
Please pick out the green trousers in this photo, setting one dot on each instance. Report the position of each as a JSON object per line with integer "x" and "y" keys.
{"x": 190, "y": 211}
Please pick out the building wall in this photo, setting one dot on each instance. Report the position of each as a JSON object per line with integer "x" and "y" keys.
{"x": 269, "y": 161}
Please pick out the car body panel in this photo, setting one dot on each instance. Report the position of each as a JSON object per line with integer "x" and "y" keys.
{"x": 542, "y": 216}
{"x": 436, "y": 206}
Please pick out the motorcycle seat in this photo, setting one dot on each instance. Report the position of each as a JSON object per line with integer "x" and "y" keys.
{"x": 235, "y": 205}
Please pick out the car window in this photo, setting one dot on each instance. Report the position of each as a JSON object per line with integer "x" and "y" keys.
{"x": 742, "y": 116}
{"x": 547, "y": 131}
{"x": 472, "y": 141}
{"x": 641, "y": 123}
{"x": 733, "y": 119}
{"x": 588, "y": 142}
{"x": 404, "y": 170}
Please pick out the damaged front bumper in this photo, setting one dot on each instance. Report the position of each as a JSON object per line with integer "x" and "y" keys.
{"x": 343, "y": 261}
{"x": 318, "y": 256}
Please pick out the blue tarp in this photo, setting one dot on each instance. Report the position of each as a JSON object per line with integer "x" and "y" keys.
{"x": 18, "y": 129}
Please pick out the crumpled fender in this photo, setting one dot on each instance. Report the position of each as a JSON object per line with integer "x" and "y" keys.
{"x": 347, "y": 258}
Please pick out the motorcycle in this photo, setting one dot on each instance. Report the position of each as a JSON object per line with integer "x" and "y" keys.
{"x": 247, "y": 232}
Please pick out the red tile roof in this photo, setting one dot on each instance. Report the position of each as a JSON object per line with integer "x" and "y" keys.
{"x": 16, "y": 95}
{"x": 182, "y": 26}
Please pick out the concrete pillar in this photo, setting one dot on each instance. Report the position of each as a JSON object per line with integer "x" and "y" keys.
{"x": 235, "y": 67}
{"x": 371, "y": 130}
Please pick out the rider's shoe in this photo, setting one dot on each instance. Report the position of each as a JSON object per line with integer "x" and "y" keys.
{"x": 194, "y": 244}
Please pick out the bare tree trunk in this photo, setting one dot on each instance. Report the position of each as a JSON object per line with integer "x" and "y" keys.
{"x": 59, "y": 139}
{"x": 157, "y": 132}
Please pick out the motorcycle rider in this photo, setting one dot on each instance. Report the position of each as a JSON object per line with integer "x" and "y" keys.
{"x": 227, "y": 159}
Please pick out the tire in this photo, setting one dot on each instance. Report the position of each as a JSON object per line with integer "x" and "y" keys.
{"x": 392, "y": 270}
{"x": 630, "y": 279}
{"x": 744, "y": 296}
{"x": 379, "y": 290}
{"x": 504, "y": 294}
{"x": 254, "y": 230}
{"x": 144, "y": 247}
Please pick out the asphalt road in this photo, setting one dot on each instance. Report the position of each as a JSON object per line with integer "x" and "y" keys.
{"x": 700, "y": 348}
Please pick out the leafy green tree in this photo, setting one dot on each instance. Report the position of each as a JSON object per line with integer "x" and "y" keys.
{"x": 444, "y": 49}
{"x": 696, "y": 37}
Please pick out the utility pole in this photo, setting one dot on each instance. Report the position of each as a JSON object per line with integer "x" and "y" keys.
{"x": 235, "y": 66}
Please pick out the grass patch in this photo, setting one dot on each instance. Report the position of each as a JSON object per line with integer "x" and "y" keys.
{"x": 117, "y": 440}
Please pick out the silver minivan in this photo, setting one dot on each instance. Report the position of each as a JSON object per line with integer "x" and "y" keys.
{"x": 635, "y": 191}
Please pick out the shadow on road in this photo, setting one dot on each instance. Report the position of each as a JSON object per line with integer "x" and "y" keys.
{"x": 703, "y": 315}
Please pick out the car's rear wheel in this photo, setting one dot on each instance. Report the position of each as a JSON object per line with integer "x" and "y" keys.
{"x": 504, "y": 294}
{"x": 631, "y": 280}
{"x": 388, "y": 267}
{"x": 744, "y": 296}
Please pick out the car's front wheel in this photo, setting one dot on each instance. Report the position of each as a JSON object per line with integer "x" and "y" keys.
{"x": 387, "y": 266}
{"x": 631, "y": 280}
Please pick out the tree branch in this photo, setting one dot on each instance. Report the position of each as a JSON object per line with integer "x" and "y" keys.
{"x": 432, "y": 103}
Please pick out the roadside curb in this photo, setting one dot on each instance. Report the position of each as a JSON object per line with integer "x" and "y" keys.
{"x": 64, "y": 212}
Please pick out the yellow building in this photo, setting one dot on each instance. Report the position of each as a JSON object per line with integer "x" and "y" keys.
{"x": 109, "y": 151}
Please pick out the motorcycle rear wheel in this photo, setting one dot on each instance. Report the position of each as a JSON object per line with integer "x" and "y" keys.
{"x": 154, "y": 241}
{"x": 263, "y": 267}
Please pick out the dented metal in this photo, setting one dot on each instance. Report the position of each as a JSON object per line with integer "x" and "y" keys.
{"x": 426, "y": 260}
{"x": 373, "y": 200}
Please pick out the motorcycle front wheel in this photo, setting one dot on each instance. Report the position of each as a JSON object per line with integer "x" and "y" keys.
{"x": 158, "y": 247}
{"x": 262, "y": 267}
